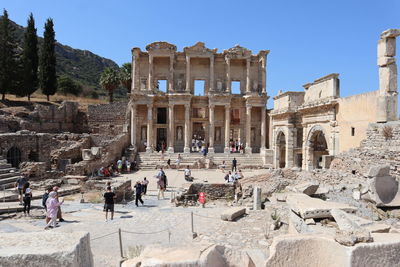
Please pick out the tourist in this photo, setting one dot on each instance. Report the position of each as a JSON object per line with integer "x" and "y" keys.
{"x": 128, "y": 166}
{"x": 144, "y": 185}
{"x": 240, "y": 175}
{"x": 178, "y": 162}
{"x": 161, "y": 183}
{"x": 138, "y": 193}
{"x": 119, "y": 165}
{"x": 222, "y": 166}
{"x": 231, "y": 179}
{"x": 205, "y": 151}
{"x": 45, "y": 197}
{"x": 236, "y": 146}
{"x": 234, "y": 163}
{"x": 169, "y": 163}
{"x": 226, "y": 177}
{"x": 188, "y": 174}
{"x": 19, "y": 184}
{"x": 59, "y": 213}
{"x": 109, "y": 197}
{"x": 27, "y": 191}
{"x": 53, "y": 205}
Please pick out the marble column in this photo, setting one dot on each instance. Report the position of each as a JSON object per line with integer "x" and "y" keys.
{"x": 227, "y": 128}
{"x": 228, "y": 75}
{"x": 263, "y": 129}
{"x": 150, "y": 79}
{"x": 211, "y": 73}
{"x": 133, "y": 126}
{"x": 248, "y": 129}
{"x": 186, "y": 149}
{"x": 187, "y": 74}
{"x": 149, "y": 147}
{"x": 135, "y": 71}
{"x": 289, "y": 147}
{"x": 171, "y": 136}
{"x": 171, "y": 74}
{"x": 248, "y": 85}
{"x": 212, "y": 129}
{"x": 263, "y": 74}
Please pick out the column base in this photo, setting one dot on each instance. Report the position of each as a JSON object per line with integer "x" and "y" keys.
{"x": 186, "y": 150}
{"x": 227, "y": 150}
{"x": 262, "y": 151}
{"x": 211, "y": 150}
{"x": 149, "y": 150}
{"x": 248, "y": 150}
{"x": 170, "y": 149}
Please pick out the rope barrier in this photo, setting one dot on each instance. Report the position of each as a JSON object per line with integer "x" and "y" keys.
{"x": 208, "y": 217}
{"x": 103, "y": 236}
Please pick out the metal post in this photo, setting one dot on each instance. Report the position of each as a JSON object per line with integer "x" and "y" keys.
{"x": 120, "y": 242}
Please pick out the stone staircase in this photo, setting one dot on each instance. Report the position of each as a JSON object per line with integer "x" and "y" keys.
{"x": 151, "y": 161}
{"x": 8, "y": 175}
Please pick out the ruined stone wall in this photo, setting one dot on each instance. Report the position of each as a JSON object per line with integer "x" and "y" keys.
{"x": 325, "y": 87}
{"x": 107, "y": 118}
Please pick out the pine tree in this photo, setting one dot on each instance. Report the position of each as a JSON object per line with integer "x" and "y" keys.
{"x": 8, "y": 57}
{"x": 47, "y": 68}
{"x": 30, "y": 59}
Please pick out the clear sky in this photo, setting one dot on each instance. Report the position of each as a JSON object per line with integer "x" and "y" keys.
{"x": 307, "y": 38}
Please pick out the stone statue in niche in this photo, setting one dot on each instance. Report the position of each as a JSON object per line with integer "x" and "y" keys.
{"x": 255, "y": 87}
{"x": 179, "y": 133}
{"x": 219, "y": 85}
{"x": 179, "y": 85}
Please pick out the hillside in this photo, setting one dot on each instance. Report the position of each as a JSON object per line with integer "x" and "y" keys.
{"x": 83, "y": 66}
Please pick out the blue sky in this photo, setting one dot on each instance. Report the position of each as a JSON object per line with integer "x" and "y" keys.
{"x": 307, "y": 39}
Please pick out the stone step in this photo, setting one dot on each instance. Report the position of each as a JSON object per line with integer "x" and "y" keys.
{"x": 11, "y": 179}
{"x": 6, "y": 170}
{"x": 7, "y": 175}
{"x": 5, "y": 165}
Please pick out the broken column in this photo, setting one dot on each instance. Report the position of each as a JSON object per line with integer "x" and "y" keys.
{"x": 383, "y": 188}
{"x": 387, "y": 100}
{"x": 257, "y": 198}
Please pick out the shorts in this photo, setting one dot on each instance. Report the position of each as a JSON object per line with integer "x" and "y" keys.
{"x": 20, "y": 191}
{"x": 109, "y": 207}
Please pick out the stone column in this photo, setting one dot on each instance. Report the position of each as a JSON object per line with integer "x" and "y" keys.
{"x": 228, "y": 75}
{"x": 171, "y": 74}
{"x": 135, "y": 70}
{"x": 149, "y": 147}
{"x": 263, "y": 129}
{"x": 150, "y": 80}
{"x": 289, "y": 147}
{"x": 187, "y": 74}
{"x": 248, "y": 88}
{"x": 263, "y": 74}
{"x": 211, "y": 73}
{"x": 248, "y": 129}
{"x": 212, "y": 129}
{"x": 133, "y": 126}
{"x": 187, "y": 129}
{"x": 227, "y": 128}
{"x": 257, "y": 198}
{"x": 171, "y": 136}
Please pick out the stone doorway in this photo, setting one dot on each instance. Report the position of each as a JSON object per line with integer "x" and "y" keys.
{"x": 161, "y": 139}
{"x": 198, "y": 136}
{"x": 14, "y": 156}
{"x": 281, "y": 150}
{"x": 317, "y": 148}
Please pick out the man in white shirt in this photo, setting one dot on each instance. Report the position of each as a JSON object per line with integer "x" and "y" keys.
{"x": 188, "y": 174}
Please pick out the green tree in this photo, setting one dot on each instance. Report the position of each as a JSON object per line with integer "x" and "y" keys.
{"x": 68, "y": 86}
{"x": 125, "y": 74}
{"x": 47, "y": 67}
{"x": 30, "y": 59}
{"x": 8, "y": 57}
{"x": 110, "y": 80}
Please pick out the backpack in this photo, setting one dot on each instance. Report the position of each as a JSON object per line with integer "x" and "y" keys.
{"x": 44, "y": 199}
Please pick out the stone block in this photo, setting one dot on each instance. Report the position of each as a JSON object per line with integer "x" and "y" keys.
{"x": 375, "y": 171}
{"x": 233, "y": 213}
{"x": 297, "y": 225}
{"x": 308, "y": 207}
{"x": 96, "y": 151}
{"x": 87, "y": 154}
{"x": 384, "y": 191}
{"x": 46, "y": 249}
{"x": 388, "y": 78}
{"x": 326, "y": 161}
{"x": 384, "y": 61}
{"x": 387, "y": 47}
{"x": 257, "y": 198}
{"x": 308, "y": 188}
{"x": 390, "y": 33}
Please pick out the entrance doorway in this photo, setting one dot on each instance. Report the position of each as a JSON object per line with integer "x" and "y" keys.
{"x": 318, "y": 148}
{"x": 14, "y": 156}
{"x": 198, "y": 138}
{"x": 161, "y": 139}
{"x": 281, "y": 150}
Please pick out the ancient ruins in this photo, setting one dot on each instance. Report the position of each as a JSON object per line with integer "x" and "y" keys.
{"x": 321, "y": 171}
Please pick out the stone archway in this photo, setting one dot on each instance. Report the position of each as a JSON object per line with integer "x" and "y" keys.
{"x": 14, "y": 156}
{"x": 316, "y": 147}
{"x": 280, "y": 150}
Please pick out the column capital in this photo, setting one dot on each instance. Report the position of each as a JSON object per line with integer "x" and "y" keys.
{"x": 211, "y": 106}
{"x": 227, "y": 106}
{"x": 248, "y": 105}
{"x": 228, "y": 60}
{"x": 150, "y": 105}
{"x": 171, "y": 105}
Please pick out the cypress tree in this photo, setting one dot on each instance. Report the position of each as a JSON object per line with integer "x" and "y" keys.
{"x": 47, "y": 67}
{"x": 8, "y": 57}
{"x": 30, "y": 59}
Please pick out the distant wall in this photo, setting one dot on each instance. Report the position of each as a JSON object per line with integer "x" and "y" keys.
{"x": 107, "y": 118}
{"x": 325, "y": 87}
{"x": 356, "y": 112}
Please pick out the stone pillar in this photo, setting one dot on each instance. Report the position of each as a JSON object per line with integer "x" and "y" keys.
{"x": 171, "y": 74}
{"x": 171, "y": 136}
{"x": 149, "y": 147}
{"x": 228, "y": 74}
{"x": 187, "y": 129}
{"x": 135, "y": 70}
{"x": 248, "y": 129}
{"x": 263, "y": 74}
{"x": 227, "y": 128}
{"x": 289, "y": 147}
{"x": 150, "y": 80}
{"x": 263, "y": 129}
{"x": 187, "y": 74}
{"x": 211, "y": 130}
{"x": 211, "y": 73}
{"x": 257, "y": 198}
{"x": 133, "y": 126}
{"x": 248, "y": 85}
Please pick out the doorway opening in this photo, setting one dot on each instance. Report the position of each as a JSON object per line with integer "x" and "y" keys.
{"x": 161, "y": 115}
{"x": 14, "y": 156}
{"x": 161, "y": 139}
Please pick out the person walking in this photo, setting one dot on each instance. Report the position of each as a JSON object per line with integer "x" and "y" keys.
{"x": 144, "y": 185}
{"x": 169, "y": 163}
{"x": 109, "y": 197}
{"x": 161, "y": 183}
{"x": 234, "y": 163}
{"x": 45, "y": 197}
{"x": 188, "y": 174}
{"x": 178, "y": 161}
{"x": 119, "y": 165}
{"x": 19, "y": 184}
{"x": 52, "y": 205}
{"x": 138, "y": 193}
{"x": 59, "y": 212}
{"x": 27, "y": 191}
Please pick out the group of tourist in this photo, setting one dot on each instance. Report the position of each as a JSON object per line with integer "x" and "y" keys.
{"x": 115, "y": 169}
{"x": 232, "y": 178}
{"x": 236, "y": 146}
{"x": 24, "y": 194}
{"x": 234, "y": 165}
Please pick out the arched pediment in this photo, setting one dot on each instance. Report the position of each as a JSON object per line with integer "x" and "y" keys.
{"x": 160, "y": 46}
